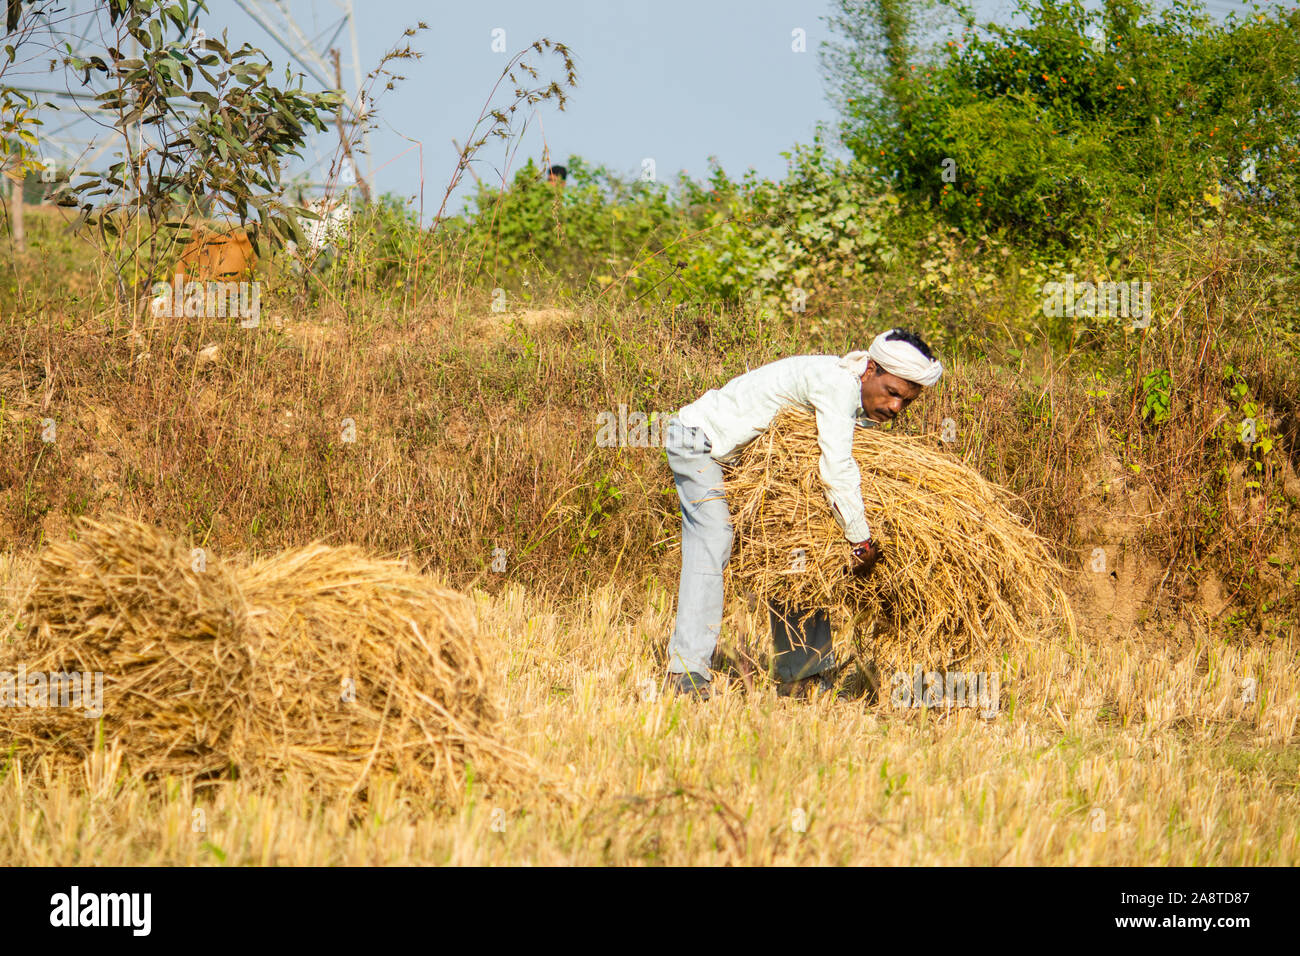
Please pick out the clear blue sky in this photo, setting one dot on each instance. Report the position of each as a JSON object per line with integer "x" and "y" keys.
{"x": 672, "y": 81}
{"x": 676, "y": 81}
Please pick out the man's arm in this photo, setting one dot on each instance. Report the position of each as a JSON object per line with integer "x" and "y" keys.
{"x": 839, "y": 472}
{"x": 844, "y": 488}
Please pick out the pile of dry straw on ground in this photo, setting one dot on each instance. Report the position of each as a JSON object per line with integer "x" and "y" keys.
{"x": 322, "y": 660}
{"x": 962, "y": 576}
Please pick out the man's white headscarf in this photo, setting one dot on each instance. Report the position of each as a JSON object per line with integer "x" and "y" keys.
{"x": 896, "y": 357}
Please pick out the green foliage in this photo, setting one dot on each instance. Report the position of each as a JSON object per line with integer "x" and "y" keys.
{"x": 383, "y": 257}
{"x": 1011, "y": 157}
{"x": 389, "y": 232}
{"x": 220, "y": 131}
{"x": 592, "y": 230}
{"x": 18, "y": 119}
{"x": 1245, "y": 432}
{"x": 894, "y": 783}
{"x": 1079, "y": 119}
{"x": 719, "y": 240}
{"x": 870, "y": 65}
{"x": 17, "y": 123}
{"x": 602, "y": 501}
{"x": 1156, "y": 388}
{"x": 786, "y": 241}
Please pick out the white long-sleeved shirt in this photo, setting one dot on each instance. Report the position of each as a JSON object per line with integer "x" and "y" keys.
{"x": 734, "y": 415}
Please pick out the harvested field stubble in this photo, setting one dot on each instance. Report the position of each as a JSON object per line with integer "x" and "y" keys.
{"x": 323, "y": 660}
{"x": 963, "y": 576}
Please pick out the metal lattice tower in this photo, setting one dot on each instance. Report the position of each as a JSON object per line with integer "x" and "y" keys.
{"x": 329, "y": 64}
{"x": 77, "y": 135}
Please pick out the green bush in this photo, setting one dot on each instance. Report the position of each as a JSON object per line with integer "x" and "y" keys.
{"x": 1060, "y": 129}
{"x": 722, "y": 241}
{"x": 589, "y": 232}
{"x": 785, "y": 243}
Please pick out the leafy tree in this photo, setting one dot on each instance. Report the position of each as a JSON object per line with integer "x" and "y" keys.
{"x": 18, "y": 120}
{"x": 202, "y": 128}
{"x": 1078, "y": 120}
{"x": 222, "y": 130}
{"x": 870, "y": 69}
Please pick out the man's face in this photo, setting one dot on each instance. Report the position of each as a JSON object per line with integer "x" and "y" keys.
{"x": 886, "y": 396}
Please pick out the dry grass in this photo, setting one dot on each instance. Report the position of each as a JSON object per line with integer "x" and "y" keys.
{"x": 319, "y": 660}
{"x": 963, "y": 576}
{"x": 1123, "y": 752}
{"x": 1118, "y": 749}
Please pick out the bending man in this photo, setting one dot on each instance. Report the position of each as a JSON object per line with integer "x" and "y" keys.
{"x": 860, "y": 389}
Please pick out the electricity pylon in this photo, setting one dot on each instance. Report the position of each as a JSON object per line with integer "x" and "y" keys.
{"x": 328, "y": 63}
{"x": 79, "y": 133}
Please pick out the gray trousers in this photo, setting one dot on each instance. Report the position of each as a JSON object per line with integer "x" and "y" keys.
{"x": 801, "y": 638}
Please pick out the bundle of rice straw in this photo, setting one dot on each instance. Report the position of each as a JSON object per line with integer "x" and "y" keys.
{"x": 358, "y": 662}
{"x": 321, "y": 660}
{"x": 962, "y": 576}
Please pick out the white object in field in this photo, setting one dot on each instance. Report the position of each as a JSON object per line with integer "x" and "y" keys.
{"x": 333, "y": 226}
